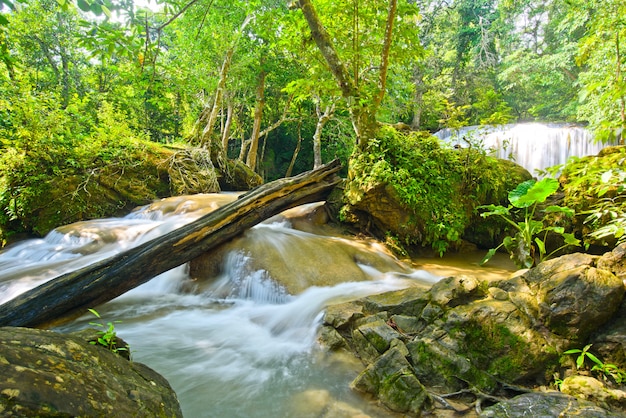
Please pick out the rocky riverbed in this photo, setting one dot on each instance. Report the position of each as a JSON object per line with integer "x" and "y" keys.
{"x": 493, "y": 348}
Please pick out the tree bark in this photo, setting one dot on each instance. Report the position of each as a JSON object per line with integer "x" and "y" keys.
{"x": 229, "y": 121}
{"x": 362, "y": 109}
{"x": 211, "y": 117}
{"x": 258, "y": 118}
{"x": 207, "y": 132}
{"x": 296, "y": 151}
{"x": 322, "y": 119}
{"x": 70, "y": 295}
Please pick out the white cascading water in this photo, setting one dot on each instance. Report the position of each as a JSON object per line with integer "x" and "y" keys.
{"x": 534, "y": 146}
{"x": 239, "y": 347}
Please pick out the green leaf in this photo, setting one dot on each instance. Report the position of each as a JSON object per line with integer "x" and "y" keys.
{"x": 494, "y": 210}
{"x": 534, "y": 227}
{"x": 106, "y": 11}
{"x": 531, "y": 193}
{"x": 580, "y": 361}
{"x": 560, "y": 209}
{"x": 606, "y": 176}
{"x": 541, "y": 246}
{"x": 93, "y": 311}
{"x": 594, "y": 359}
{"x": 96, "y": 9}
{"x": 521, "y": 190}
{"x": 83, "y": 5}
{"x": 488, "y": 256}
{"x": 570, "y": 239}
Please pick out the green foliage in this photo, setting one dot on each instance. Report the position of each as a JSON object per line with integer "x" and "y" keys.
{"x": 606, "y": 370}
{"x": 526, "y": 243}
{"x": 608, "y": 216}
{"x": 601, "y": 54}
{"x": 595, "y": 186}
{"x": 439, "y": 186}
{"x": 107, "y": 337}
{"x": 41, "y": 141}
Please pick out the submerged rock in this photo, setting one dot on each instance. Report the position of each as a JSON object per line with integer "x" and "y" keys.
{"x": 47, "y": 374}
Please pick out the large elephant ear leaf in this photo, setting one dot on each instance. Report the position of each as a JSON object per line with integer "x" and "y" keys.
{"x": 537, "y": 192}
{"x": 519, "y": 192}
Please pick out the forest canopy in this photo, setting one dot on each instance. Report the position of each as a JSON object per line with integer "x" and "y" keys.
{"x": 252, "y": 79}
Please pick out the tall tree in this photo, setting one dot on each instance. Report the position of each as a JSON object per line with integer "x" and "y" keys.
{"x": 363, "y": 96}
{"x": 602, "y": 56}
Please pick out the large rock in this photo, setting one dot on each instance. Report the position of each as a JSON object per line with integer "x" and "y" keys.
{"x": 462, "y": 336}
{"x": 552, "y": 404}
{"x": 114, "y": 189}
{"x": 568, "y": 295}
{"x": 47, "y": 374}
{"x": 412, "y": 191}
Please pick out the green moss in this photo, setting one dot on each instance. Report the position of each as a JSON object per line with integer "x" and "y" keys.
{"x": 497, "y": 350}
{"x": 439, "y": 187}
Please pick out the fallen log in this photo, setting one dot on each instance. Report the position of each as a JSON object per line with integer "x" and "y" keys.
{"x": 70, "y": 295}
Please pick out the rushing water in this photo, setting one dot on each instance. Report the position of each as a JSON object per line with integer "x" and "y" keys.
{"x": 534, "y": 146}
{"x": 237, "y": 345}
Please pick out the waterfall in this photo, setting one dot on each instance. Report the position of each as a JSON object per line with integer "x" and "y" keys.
{"x": 534, "y": 146}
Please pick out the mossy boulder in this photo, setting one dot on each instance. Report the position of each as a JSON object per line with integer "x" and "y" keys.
{"x": 135, "y": 176}
{"x": 409, "y": 188}
{"x": 550, "y": 404}
{"x": 467, "y": 336}
{"x": 47, "y": 374}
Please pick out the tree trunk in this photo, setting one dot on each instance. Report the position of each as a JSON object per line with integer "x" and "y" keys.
{"x": 418, "y": 98}
{"x": 322, "y": 119}
{"x": 618, "y": 81}
{"x": 258, "y": 118}
{"x": 207, "y": 132}
{"x": 362, "y": 109}
{"x": 70, "y": 295}
{"x": 294, "y": 157}
{"x": 229, "y": 121}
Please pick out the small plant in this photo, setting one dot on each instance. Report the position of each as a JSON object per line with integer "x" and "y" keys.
{"x": 606, "y": 369}
{"x": 107, "y": 337}
{"x": 527, "y": 242}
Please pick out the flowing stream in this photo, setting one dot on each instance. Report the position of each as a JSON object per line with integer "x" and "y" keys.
{"x": 534, "y": 146}
{"x": 239, "y": 343}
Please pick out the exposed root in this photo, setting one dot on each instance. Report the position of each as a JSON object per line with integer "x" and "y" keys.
{"x": 479, "y": 397}
{"x": 191, "y": 171}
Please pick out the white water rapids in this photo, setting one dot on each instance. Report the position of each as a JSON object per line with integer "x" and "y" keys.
{"x": 238, "y": 346}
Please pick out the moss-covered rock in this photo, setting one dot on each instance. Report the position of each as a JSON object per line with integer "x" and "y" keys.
{"x": 594, "y": 187}
{"x": 47, "y": 374}
{"x": 550, "y": 404}
{"x": 134, "y": 176}
{"x": 409, "y": 187}
{"x": 391, "y": 380}
{"x": 462, "y": 336}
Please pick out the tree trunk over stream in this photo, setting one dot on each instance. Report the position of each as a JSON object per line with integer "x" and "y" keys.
{"x": 70, "y": 295}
